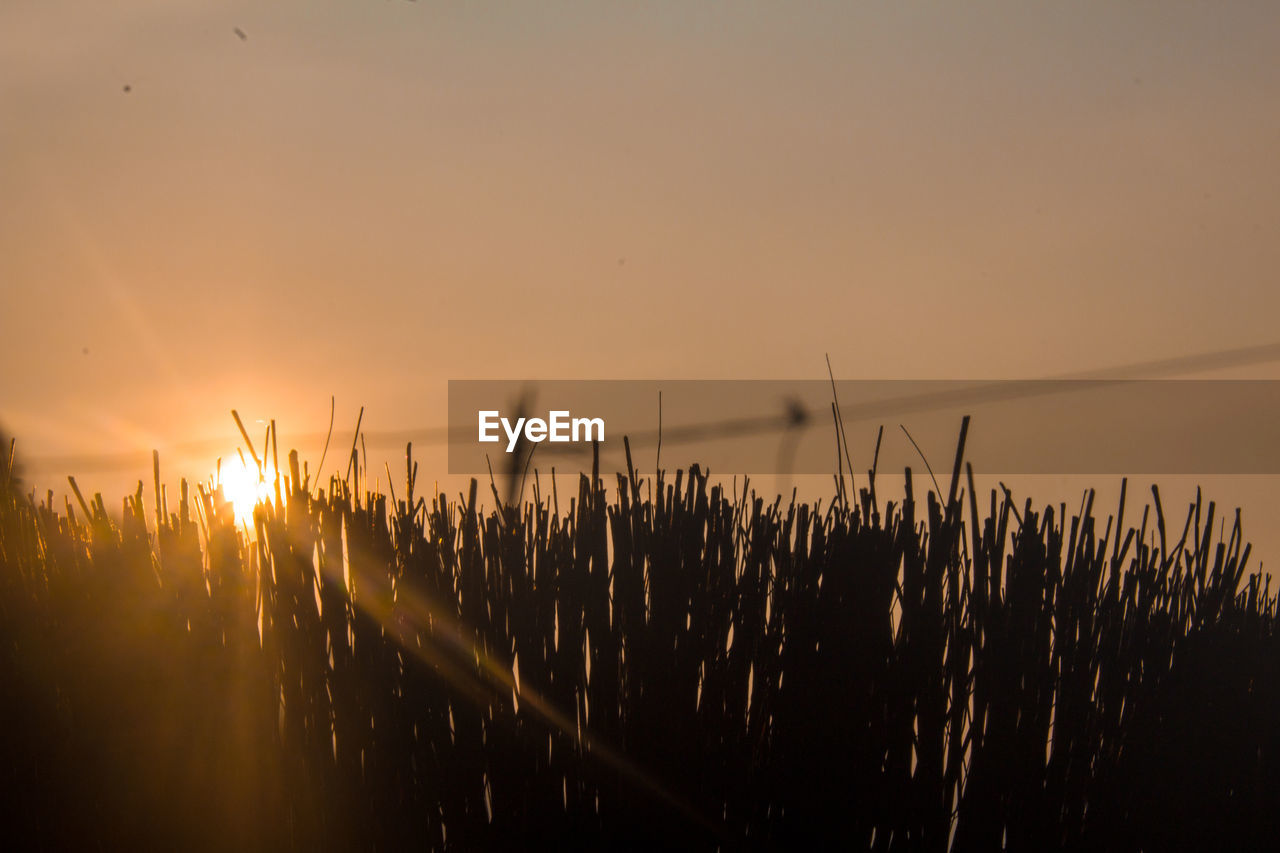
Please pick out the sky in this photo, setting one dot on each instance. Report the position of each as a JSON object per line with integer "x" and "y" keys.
{"x": 217, "y": 205}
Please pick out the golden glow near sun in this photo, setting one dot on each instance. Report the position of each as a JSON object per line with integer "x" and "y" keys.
{"x": 243, "y": 487}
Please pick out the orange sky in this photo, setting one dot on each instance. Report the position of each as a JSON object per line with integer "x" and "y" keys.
{"x": 367, "y": 199}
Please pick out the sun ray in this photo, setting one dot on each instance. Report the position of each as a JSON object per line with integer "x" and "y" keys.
{"x": 244, "y": 486}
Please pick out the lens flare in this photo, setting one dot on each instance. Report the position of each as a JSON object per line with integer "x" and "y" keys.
{"x": 244, "y": 487}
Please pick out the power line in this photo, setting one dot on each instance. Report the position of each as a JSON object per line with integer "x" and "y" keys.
{"x": 792, "y": 418}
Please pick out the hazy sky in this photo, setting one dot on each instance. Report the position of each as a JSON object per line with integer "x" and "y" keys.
{"x": 365, "y": 199}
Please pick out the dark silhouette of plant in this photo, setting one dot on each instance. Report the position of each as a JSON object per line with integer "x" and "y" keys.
{"x": 657, "y": 665}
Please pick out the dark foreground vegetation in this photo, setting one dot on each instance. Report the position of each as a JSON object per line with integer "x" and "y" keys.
{"x": 652, "y": 665}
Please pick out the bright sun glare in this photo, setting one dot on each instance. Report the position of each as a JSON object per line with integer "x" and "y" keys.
{"x": 243, "y": 487}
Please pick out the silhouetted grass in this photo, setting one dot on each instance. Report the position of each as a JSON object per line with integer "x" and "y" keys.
{"x": 658, "y": 665}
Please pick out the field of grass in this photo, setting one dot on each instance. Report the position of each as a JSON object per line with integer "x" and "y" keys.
{"x": 645, "y": 663}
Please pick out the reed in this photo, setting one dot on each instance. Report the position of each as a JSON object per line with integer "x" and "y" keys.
{"x": 656, "y": 664}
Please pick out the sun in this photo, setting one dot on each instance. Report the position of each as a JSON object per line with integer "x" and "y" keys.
{"x": 243, "y": 487}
